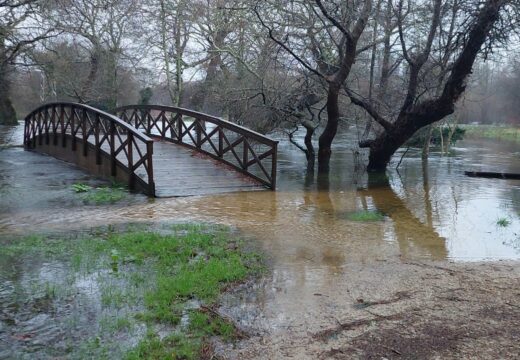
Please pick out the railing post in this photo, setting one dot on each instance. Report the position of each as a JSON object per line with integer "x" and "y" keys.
{"x": 33, "y": 131}
{"x": 198, "y": 132}
{"x": 46, "y": 124}
{"x": 62, "y": 124}
{"x": 220, "y": 142}
{"x": 26, "y": 133}
{"x": 72, "y": 127}
{"x": 131, "y": 174}
{"x": 55, "y": 122}
{"x": 179, "y": 128}
{"x": 85, "y": 131}
{"x": 40, "y": 130}
{"x": 245, "y": 155}
{"x": 274, "y": 166}
{"x": 151, "y": 183}
{"x": 96, "y": 135}
{"x": 113, "y": 168}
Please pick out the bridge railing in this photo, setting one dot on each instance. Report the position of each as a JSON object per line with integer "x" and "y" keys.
{"x": 93, "y": 139}
{"x": 245, "y": 150}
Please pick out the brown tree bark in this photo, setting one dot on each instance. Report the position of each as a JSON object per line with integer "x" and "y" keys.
{"x": 7, "y": 112}
{"x": 416, "y": 116}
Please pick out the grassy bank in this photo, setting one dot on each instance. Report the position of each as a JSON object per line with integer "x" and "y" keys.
{"x": 493, "y": 132}
{"x": 159, "y": 286}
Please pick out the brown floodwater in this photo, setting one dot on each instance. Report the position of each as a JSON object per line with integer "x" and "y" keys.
{"x": 431, "y": 211}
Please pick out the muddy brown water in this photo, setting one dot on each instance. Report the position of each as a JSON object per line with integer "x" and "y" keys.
{"x": 431, "y": 212}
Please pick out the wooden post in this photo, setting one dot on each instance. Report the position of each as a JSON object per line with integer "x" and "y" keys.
{"x": 113, "y": 168}
{"x": 46, "y": 123}
{"x": 179, "y": 129}
{"x": 151, "y": 183}
{"x": 85, "y": 132}
{"x": 131, "y": 174}
{"x": 26, "y": 133}
{"x": 220, "y": 142}
{"x": 55, "y": 122}
{"x": 96, "y": 135}
{"x": 72, "y": 127}
{"x": 274, "y": 166}
{"x": 198, "y": 132}
{"x": 62, "y": 124}
{"x": 245, "y": 155}
{"x": 40, "y": 129}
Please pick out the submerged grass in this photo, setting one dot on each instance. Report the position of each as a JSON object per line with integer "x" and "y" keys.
{"x": 159, "y": 273}
{"x": 503, "y": 222}
{"x": 493, "y": 132}
{"x": 366, "y": 216}
{"x": 101, "y": 195}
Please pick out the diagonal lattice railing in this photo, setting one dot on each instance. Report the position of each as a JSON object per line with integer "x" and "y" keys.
{"x": 249, "y": 152}
{"x": 110, "y": 143}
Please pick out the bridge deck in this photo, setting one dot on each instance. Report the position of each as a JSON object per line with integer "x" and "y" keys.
{"x": 179, "y": 171}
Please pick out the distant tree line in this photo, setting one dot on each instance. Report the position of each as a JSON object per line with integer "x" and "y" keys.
{"x": 394, "y": 66}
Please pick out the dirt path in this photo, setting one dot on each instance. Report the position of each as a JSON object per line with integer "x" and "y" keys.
{"x": 394, "y": 310}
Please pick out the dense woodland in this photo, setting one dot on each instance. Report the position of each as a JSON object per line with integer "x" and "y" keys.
{"x": 392, "y": 67}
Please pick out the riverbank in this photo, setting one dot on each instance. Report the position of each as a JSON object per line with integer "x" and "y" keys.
{"x": 132, "y": 291}
{"x": 492, "y": 132}
{"x": 399, "y": 310}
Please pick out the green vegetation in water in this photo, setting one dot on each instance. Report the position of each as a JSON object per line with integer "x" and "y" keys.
{"x": 151, "y": 278}
{"x": 493, "y": 132}
{"x": 366, "y": 215}
{"x": 81, "y": 188}
{"x": 503, "y": 222}
{"x": 420, "y": 137}
{"x": 101, "y": 195}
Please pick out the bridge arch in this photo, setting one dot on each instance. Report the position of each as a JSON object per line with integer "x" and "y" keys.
{"x": 246, "y": 151}
{"x": 95, "y": 140}
{"x": 123, "y": 147}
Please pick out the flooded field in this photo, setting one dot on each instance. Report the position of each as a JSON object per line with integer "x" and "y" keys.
{"x": 331, "y": 240}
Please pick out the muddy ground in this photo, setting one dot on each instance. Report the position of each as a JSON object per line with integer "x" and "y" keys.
{"x": 398, "y": 310}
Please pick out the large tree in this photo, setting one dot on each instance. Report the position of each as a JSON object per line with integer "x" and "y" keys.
{"x": 437, "y": 66}
{"x": 20, "y": 28}
{"x": 323, "y": 37}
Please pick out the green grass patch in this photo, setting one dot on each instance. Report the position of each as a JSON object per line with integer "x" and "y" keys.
{"x": 101, "y": 195}
{"x": 366, "y": 216}
{"x": 503, "y": 222}
{"x": 152, "y": 277}
{"x": 493, "y": 132}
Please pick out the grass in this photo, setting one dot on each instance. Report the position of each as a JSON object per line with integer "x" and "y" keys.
{"x": 163, "y": 273}
{"x": 493, "y": 132}
{"x": 101, "y": 195}
{"x": 366, "y": 216}
{"x": 503, "y": 222}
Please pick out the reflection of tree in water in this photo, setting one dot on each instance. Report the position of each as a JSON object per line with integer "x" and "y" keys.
{"x": 410, "y": 232}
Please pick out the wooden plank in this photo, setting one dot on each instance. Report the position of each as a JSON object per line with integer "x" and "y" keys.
{"x": 179, "y": 171}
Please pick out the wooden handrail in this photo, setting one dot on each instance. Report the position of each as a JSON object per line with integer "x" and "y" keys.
{"x": 247, "y": 151}
{"x": 123, "y": 146}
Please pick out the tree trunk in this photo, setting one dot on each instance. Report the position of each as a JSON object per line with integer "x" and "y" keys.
{"x": 7, "y": 112}
{"x": 331, "y": 128}
{"x": 415, "y": 117}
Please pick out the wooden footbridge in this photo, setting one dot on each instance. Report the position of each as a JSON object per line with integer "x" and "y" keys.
{"x": 159, "y": 150}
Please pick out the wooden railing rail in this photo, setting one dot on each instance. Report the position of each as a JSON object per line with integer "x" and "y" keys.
{"x": 247, "y": 151}
{"x": 116, "y": 145}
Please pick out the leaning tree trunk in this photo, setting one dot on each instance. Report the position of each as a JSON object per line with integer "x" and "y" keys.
{"x": 415, "y": 117}
{"x": 328, "y": 134}
{"x": 7, "y": 112}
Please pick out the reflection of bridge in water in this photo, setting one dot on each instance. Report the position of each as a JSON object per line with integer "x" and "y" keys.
{"x": 159, "y": 150}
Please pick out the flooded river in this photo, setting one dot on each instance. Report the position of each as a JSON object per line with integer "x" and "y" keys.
{"x": 430, "y": 211}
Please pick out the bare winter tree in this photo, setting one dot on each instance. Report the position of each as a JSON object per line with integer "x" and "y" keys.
{"x": 326, "y": 46}
{"x": 431, "y": 50}
{"x": 20, "y": 28}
